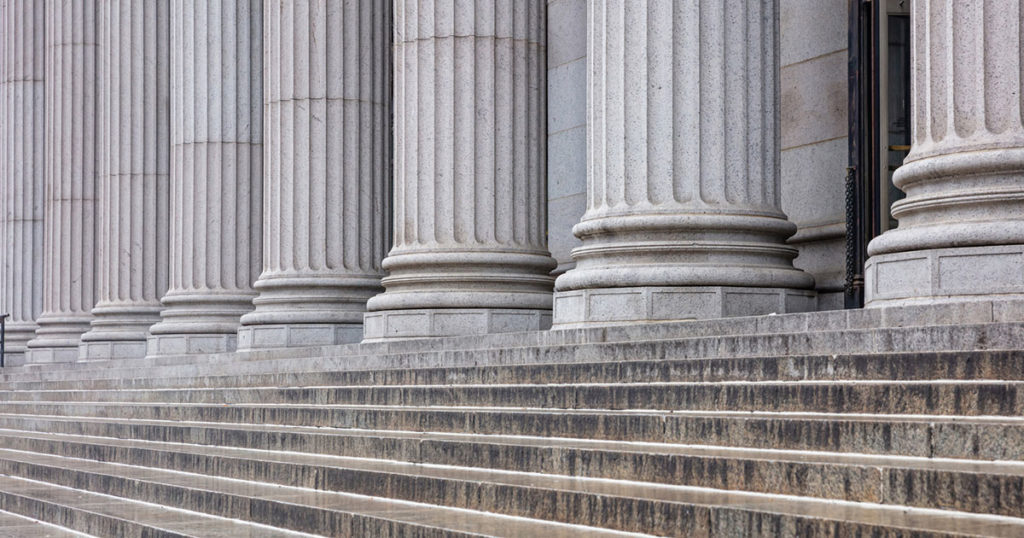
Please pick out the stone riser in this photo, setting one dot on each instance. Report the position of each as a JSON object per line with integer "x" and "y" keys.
{"x": 994, "y": 365}
{"x": 83, "y": 521}
{"x": 927, "y": 488}
{"x": 899, "y": 340}
{"x": 658, "y": 518}
{"x": 953, "y": 438}
{"x": 926, "y": 398}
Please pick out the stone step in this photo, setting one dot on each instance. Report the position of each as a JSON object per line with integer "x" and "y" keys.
{"x": 327, "y": 430}
{"x": 117, "y": 491}
{"x": 968, "y": 486}
{"x": 950, "y": 316}
{"x": 963, "y": 398}
{"x": 976, "y": 365}
{"x": 618, "y": 505}
{"x": 992, "y": 336}
{"x": 82, "y": 513}
{"x": 17, "y": 526}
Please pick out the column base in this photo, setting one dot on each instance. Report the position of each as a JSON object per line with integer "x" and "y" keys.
{"x": 18, "y": 335}
{"x": 190, "y": 344}
{"x": 945, "y": 275}
{"x": 298, "y": 335}
{"x": 431, "y": 322}
{"x": 605, "y": 306}
{"x": 57, "y": 338}
{"x": 111, "y": 349}
{"x": 49, "y": 355}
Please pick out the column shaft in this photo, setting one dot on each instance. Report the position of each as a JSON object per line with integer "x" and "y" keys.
{"x": 22, "y": 167}
{"x": 133, "y": 182}
{"x": 470, "y": 252}
{"x": 216, "y": 174}
{"x": 961, "y": 226}
{"x": 328, "y": 166}
{"x": 683, "y": 213}
{"x": 69, "y": 249}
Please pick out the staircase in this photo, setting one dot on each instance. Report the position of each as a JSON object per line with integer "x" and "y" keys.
{"x": 893, "y": 422}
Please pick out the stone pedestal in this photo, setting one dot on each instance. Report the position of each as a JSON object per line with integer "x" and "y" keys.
{"x": 216, "y": 174}
{"x": 72, "y": 134}
{"x": 683, "y": 213}
{"x": 470, "y": 251}
{"x": 328, "y": 168}
{"x": 132, "y": 204}
{"x": 961, "y": 226}
{"x": 22, "y": 166}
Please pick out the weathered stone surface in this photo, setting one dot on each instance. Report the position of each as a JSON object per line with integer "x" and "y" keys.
{"x": 72, "y": 158}
{"x": 683, "y": 157}
{"x": 470, "y": 252}
{"x": 133, "y": 185}
{"x": 328, "y": 149}
{"x": 961, "y": 226}
{"x": 22, "y": 170}
{"x": 216, "y": 174}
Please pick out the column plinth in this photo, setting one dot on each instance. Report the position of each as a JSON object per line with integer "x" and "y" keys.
{"x": 22, "y": 166}
{"x": 133, "y": 181}
{"x": 961, "y": 225}
{"x": 216, "y": 174}
{"x": 470, "y": 253}
{"x": 328, "y": 165}
{"x": 69, "y": 245}
{"x": 683, "y": 218}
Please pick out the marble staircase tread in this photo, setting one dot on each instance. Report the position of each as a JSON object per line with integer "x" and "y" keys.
{"x": 97, "y": 514}
{"x": 17, "y": 526}
{"x": 281, "y": 506}
{"x": 911, "y": 366}
{"x": 981, "y": 438}
{"x": 922, "y": 482}
{"x": 938, "y": 397}
{"x": 163, "y": 485}
{"x": 891, "y": 340}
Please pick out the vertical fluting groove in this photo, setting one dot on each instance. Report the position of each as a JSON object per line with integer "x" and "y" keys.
{"x": 469, "y": 157}
{"x": 328, "y": 111}
{"x": 682, "y": 142}
{"x": 216, "y": 179}
{"x": 71, "y": 131}
{"x": 134, "y": 172}
{"x": 22, "y": 167}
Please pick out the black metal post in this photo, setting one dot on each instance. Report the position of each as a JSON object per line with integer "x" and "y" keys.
{"x": 3, "y": 339}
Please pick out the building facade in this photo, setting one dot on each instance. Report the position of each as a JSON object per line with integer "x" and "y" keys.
{"x": 190, "y": 177}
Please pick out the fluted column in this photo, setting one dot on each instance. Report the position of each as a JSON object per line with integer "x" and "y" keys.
{"x": 216, "y": 174}
{"x": 133, "y": 181}
{"x": 328, "y": 167}
{"x": 961, "y": 226}
{"x": 470, "y": 252}
{"x": 683, "y": 213}
{"x": 22, "y": 177}
{"x": 69, "y": 244}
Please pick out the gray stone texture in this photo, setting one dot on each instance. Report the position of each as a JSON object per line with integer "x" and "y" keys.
{"x": 683, "y": 156}
{"x": 134, "y": 178}
{"x": 470, "y": 194}
{"x": 567, "y": 126}
{"x": 72, "y": 158}
{"x": 813, "y": 76}
{"x": 961, "y": 225}
{"x": 22, "y": 170}
{"x": 328, "y": 170}
{"x": 216, "y": 174}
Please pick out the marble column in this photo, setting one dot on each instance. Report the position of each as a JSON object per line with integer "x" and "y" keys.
{"x": 327, "y": 171}
{"x": 470, "y": 253}
{"x": 72, "y": 135}
{"x": 961, "y": 226}
{"x": 133, "y": 182}
{"x": 216, "y": 174}
{"x": 22, "y": 165}
{"x": 683, "y": 215}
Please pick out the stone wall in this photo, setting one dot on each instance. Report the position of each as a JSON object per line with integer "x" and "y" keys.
{"x": 814, "y": 138}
